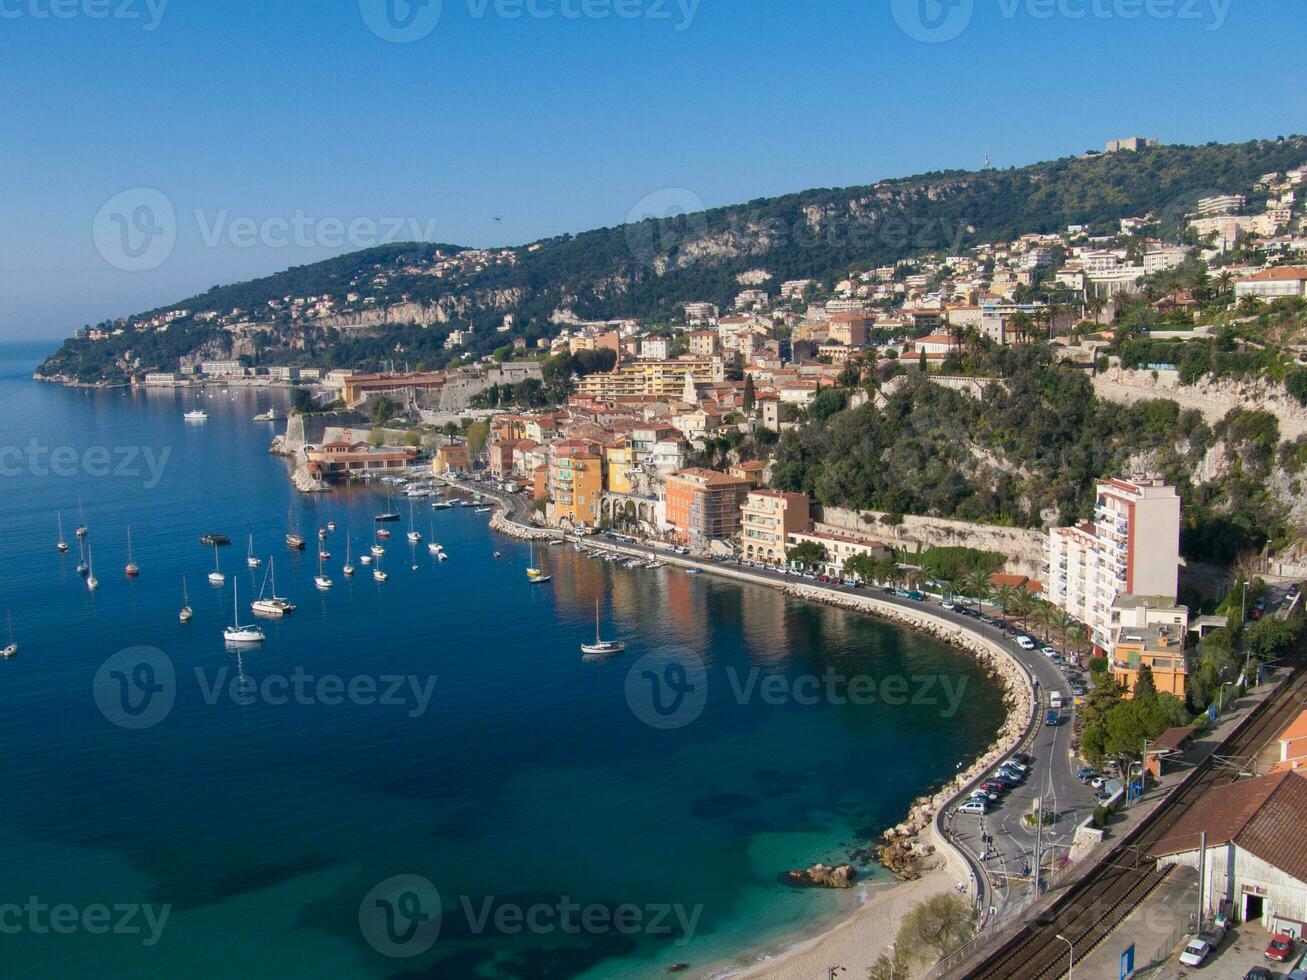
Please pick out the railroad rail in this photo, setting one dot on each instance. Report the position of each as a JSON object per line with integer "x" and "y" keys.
{"x": 1098, "y": 903}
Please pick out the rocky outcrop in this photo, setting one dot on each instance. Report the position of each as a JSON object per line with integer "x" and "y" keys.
{"x": 905, "y": 857}
{"x": 822, "y": 876}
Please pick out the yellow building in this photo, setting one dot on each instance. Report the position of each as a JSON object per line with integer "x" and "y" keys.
{"x": 656, "y": 379}
{"x": 451, "y": 459}
{"x": 576, "y": 482}
{"x": 767, "y": 519}
{"x": 1161, "y": 648}
{"x": 621, "y": 463}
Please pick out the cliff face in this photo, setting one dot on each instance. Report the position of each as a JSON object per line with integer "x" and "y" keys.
{"x": 1214, "y": 399}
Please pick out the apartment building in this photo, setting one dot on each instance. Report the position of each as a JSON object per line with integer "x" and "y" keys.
{"x": 576, "y": 482}
{"x": 703, "y": 506}
{"x": 839, "y": 548}
{"x": 849, "y": 329}
{"x": 653, "y": 379}
{"x": 767, "y": 519}
{"x": 1270, "y": 284}
{"x": 1132, "y": 547}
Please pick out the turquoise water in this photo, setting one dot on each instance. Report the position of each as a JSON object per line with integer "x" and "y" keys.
{"x": 529, "y": 779}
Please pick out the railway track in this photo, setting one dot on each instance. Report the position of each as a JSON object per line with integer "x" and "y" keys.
{"x": 1094, "y": 907}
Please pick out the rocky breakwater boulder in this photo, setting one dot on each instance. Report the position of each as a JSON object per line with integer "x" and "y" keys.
{"x": 906, "y": 857}
{"x": 822, "y": 876}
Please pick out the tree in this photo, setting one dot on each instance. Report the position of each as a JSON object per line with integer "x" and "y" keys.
{"x": 477, "y": 434}
{"x": 301, "y": 401}
{"x": 975, "y": 585}
{"x": 1145, "y": 686}
{"x": 861, "y": 567}
{"x": 376, "y": 438}
{"x": 939, "y": 925}
{"x": 921, "y": 362}
{"x": 749, "y": 396}
{"x": 809, "y": 554}
{"x": 384, "y": 409}
{"x": 413, "y": 438}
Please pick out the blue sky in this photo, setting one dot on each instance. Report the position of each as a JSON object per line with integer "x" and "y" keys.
{"x": 560, "y": 119}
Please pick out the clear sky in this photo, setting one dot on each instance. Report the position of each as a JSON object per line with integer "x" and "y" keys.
{"x": 259, "y": 125}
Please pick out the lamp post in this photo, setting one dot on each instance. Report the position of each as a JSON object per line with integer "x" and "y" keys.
{"x": 1072, "y": 965}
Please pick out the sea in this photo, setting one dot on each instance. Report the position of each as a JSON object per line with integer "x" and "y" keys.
{"x": 421, "y": 777}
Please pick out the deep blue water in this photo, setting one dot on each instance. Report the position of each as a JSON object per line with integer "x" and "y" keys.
{"x": 531, "y": 777}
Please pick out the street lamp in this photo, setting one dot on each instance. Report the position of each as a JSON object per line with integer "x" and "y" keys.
{"x": 1072, "y": 965}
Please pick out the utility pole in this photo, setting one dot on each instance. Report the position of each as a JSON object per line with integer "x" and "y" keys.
{"x": 1039, "y": 830}
{"x": 1202, "y": 874}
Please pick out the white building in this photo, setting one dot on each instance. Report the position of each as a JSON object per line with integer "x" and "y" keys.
{"x": 654, "y": 349}
{"x": 1164, "y": 258}
{"x": 1221, "y": 204}
{"x": 1274, "y": 283}
{"x": 1132, "y": 547}
{"x": 1256, "y": 854}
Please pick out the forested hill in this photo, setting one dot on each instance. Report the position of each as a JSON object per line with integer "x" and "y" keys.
{"x": 410, "y": 296}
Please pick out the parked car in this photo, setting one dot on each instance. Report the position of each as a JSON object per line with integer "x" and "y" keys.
{"x": 1259, "y": 973}
{"x": 1025, "y": 643}
{"x": 984, "y": 794}
{"x": 996, "y": 786}
{"x": 1281, "y": 948}
{"x": 1084, "y": 773}
{"x": 1195, "y": 953}
{"x": 974, "y": 806}
{"x": 1048, "y": 651}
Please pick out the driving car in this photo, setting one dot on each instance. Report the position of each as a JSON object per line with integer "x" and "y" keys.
{"x": 1195, "y": 953}
{"x": 1025, "y": 643}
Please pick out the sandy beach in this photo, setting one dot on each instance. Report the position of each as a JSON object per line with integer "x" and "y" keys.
{"x": 855, "y": 943}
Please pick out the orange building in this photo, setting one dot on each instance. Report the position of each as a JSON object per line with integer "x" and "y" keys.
{"x": 576, "y": 482}
{"x": 704, "y": 505}
{"x": 451, "y": 459}
{"x": 1161, "y": 648}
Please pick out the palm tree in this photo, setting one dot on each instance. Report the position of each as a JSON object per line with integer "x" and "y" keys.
{"x": 1006, "y": 597}
{"x": 1097, "y": 304}
{"x": 976, "y": 585}
{"x": 1042, "y": 614}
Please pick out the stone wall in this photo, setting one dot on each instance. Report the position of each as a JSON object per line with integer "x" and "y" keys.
{"x": 1025, "y": 548}
{"x": 1213, "y": 398}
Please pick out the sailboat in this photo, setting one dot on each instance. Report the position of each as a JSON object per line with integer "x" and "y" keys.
{"x": 62, "y": 545}
{"x": 216, "y": 577}
{"x": 433, "y": 546}
{"x": 377, "y": 551}
{"x": 236, "y": 633}
{"x": 187, "y": 613}
{"x": 321, "y": 580}
{"x": 251, "y": 559}
{"x": 81, "y": 520}
{"x": 92, "y": 582}
{"x": 273, "y": 605}
{"x": 601, "y": 647}
{"x": 82, "y": 566}
{"x": 294, "y": 540}
{"x": 12, "y": 649}
{"x": 535, "y": 575}
{"x": 132, "y": 569}
{"x": 414, "y": 535}
{"x": 388, "y": 516}
{"x": 378, "y": 574}
{"x": 348, "y": 569}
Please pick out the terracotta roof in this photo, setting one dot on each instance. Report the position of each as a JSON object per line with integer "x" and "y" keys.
{"x": 1172, "y": 738}
{"x": 1263, "y": 816}
{"x": 1284, "y": 274}
{"x": 1296, "y": 730}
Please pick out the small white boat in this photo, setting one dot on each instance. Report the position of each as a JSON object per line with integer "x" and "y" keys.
{"x": 12, "y": 649}
{"x": 601, "y": 647}
{"x": 321, "y": 580}
{"x": 331, "y": 525}
{"x": 251, "y": 559}
{"x": 273, "y": 605}
{"x": 81, "y": 520}
{"x": 434, "y": 548}
{"x": 441, "y": 505}
{"x": 378, "y": 575}
{"x": 196, "y": 416}
{"x": 236, "y": 633}
{"x": 378, "y": 551}
{"x": 62, "y": 545}
{"x": 82, "y": 566}
{"x": 133, "y": 570}
{"x": 216, "y": 577}
{"x": 187, "y": 614}
{"x": 92, "y": 582}
{"x": 348, "y": 569}
{"x": 365, "y": 560}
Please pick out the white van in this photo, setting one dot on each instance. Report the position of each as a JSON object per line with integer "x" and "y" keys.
{"x": 973, "y": 806}
{"x": 1055, "y": 699}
